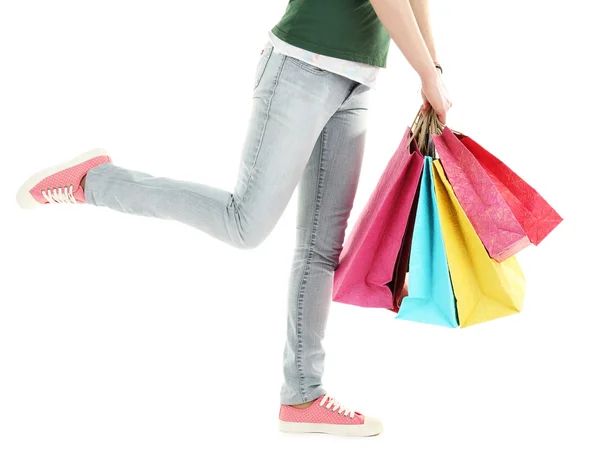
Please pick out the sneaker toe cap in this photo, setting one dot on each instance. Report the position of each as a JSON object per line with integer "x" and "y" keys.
{"x": 372, "y": 426}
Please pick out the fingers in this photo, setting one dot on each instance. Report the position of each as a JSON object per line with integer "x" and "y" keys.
{"x": 442, "y": 110}
{"x": 425, "y": 104}
{"x": 441, "y": 103}
{"x": 442, "y": 117}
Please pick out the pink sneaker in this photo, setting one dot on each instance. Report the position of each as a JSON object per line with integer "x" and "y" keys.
{"x": 326, "y": 415}
{"x": 61, "y": 183}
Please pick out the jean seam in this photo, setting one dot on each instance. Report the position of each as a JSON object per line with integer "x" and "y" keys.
{"x": 239, "y": 204}
{"x": 299, "y": 317}
{"x": 355, "y": 85}
{"x": 267, "y": 57}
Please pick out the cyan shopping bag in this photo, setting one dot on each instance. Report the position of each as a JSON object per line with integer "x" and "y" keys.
{"x": 430, "y": 296}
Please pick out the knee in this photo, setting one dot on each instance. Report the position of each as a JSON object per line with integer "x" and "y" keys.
{"x": 325, "y": 256}
{"x": 248, "y": 241}
{"x": 249, "y": 235}
{"x": 248, "y": 229}
{"x": 330, "y": 258}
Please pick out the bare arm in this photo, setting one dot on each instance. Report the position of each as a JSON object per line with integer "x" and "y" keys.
{"x": 399, "y": 20}
{"x": 421, "y": 11}
{"x": 404, "y": 28}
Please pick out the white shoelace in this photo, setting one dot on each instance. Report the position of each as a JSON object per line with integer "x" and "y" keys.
{"x": 59, "y": 195}
{"x": 336, "y": 406}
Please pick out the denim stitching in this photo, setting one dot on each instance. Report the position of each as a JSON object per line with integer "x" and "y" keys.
{"x": 299, "y": 351}
{"x": 262, "y": 134}
{"x": 308, "y": 67}
{"x": 266, "y": 57}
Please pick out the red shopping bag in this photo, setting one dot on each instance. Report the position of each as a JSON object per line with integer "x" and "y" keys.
{"x": 485, "y": 207}
{"x": 535, "y": 215}
{"x": 368, "y": 259}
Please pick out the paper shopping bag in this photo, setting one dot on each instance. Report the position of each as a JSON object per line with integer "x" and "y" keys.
{"x": 366, "y": 263}
{"x": 484, "y": 288}
{"x": 535, "y": 215}
{"x": 399, "y": 282}
{"x": 430, "y": 296}
{"x": 487, "y": 210}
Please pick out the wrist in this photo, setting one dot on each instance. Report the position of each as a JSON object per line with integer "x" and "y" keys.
{"x": 431, "y": 74}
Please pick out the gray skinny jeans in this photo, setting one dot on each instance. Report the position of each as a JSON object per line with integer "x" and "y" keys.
{"x": 308, "y": 130}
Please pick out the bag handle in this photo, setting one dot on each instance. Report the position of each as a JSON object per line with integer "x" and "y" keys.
{"x": 424, "y": 126}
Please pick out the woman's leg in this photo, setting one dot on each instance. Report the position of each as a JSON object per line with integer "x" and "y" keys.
{"x": 291, "y": 105}
{"x": 326, "y": 196}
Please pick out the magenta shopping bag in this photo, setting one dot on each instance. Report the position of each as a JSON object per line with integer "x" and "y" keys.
{"x": 368, "y": 257}
{"x": 487, "y": 210}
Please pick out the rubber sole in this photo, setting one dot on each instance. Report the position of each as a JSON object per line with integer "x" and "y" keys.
{"x": 24, "y": 197}
{"x": 371, "y": 427}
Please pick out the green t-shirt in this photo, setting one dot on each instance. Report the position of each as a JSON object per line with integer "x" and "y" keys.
{"x": 348, "y": 29}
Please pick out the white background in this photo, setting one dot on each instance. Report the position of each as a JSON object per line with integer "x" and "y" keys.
{"x": 128, "y": 340}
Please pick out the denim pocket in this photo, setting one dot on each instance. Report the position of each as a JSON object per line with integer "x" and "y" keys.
{"x": 262, "y": 63}
{"x": 307, "y": 66}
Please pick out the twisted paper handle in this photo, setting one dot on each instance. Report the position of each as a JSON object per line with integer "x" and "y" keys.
{"x": 423, "y": 127}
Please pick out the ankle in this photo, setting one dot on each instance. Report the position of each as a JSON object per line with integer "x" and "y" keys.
{"x": 304, "y": 405}
{"x": 82, "y": 182}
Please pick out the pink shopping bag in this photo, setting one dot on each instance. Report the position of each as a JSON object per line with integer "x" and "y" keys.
{"x": 535, "y": 215}
{"x": 492, "y": 218}
{"x": 369, "y": 255}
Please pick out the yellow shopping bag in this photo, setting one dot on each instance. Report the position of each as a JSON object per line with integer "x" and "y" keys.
{"x": 484, "y": 288}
